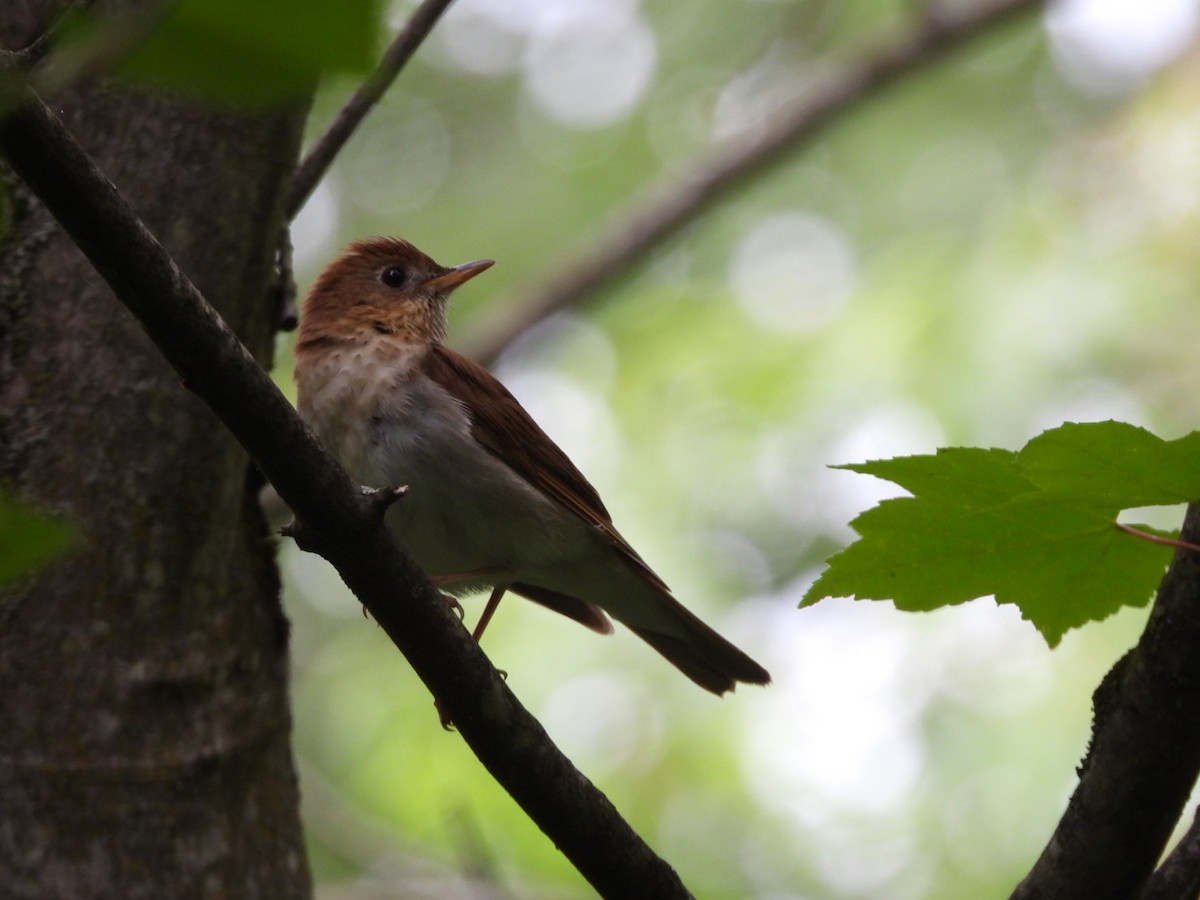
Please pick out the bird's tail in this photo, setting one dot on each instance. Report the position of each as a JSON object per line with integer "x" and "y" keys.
{"x": 637, "y": 598}
{"x": 700, "y": 653}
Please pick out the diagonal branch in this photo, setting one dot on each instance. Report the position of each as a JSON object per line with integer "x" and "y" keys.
{"x": 634, "y": 235}
{"x": 509, "y": 742}
{"x": 327, "y": 147}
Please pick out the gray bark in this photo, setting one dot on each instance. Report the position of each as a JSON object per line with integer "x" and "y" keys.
{"x": 144, "y": 718}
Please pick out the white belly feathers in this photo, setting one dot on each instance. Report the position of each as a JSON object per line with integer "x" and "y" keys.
{"x": 388, "y": 428}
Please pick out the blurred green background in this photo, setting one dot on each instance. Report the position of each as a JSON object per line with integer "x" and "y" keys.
{"x": 1001, "y": 243}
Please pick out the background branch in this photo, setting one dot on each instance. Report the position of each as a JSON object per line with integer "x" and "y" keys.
{"x": 333, "y": 512}
{"x": 382, "y": 857}
{"x": 634, "y": 235}
{"x": 1178, "y": 878}
{"x": 312, "y": 169}
{"x": 1144, "y": 755}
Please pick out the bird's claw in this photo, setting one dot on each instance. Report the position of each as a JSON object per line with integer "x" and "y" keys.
{"x": 455, "y": 606}
{"x": 443, "y": 716}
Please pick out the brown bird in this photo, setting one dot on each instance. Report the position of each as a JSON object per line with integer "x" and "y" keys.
{"x": 493, "y": 502}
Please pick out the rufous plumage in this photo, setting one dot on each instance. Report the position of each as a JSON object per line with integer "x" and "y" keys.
{"x": 492, "y": 502}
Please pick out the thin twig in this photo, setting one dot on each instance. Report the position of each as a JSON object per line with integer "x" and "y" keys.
{"x": 35, "y": 51}
{"x": 327, "y": 147}
{"x": 283, "y": 283}
{"x": 636, "y": 233}
{"x": 51, "y": 64}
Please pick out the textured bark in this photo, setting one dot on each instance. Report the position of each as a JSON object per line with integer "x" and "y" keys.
{"x": 144, "y": 720}
{"x": 1142, "y": 762}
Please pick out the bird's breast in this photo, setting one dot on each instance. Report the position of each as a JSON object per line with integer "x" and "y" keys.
{"x": 388, "y": 424}
{"x": 345, "y": 393}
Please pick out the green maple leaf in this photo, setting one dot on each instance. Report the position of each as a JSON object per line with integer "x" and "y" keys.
{"x": 1116, "y": 463}
{"x": 1036, "y": 528}
{"x": 233, "y": 51}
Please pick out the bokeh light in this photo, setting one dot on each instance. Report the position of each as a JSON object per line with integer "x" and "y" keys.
{"x": 1001, "y": 244}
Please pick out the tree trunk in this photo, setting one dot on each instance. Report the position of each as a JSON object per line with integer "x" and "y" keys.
{"x": 144, "y": 718}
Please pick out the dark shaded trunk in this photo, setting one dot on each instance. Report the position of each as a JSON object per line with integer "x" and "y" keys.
{"x": 144, "y": 719}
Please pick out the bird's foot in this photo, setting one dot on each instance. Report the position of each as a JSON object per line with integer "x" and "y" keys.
{"x": 455, "y": 607}
{"x": 443, "y": 716}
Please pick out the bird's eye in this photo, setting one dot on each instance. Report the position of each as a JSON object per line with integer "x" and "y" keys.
{"x": 392, "y": 276}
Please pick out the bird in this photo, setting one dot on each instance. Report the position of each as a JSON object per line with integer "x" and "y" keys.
{"x": 492, "y": 503}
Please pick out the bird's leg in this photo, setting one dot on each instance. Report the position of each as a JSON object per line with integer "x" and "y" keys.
{"x": 455, "y": 578}
{"x": 470, "y": 575}
{"x": 489, "y": 610}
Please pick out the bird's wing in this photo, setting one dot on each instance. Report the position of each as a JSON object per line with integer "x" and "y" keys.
{"x": 501, "y": 425}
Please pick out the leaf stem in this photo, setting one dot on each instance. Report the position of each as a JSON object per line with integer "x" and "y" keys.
{"x": 1157, "y": 538}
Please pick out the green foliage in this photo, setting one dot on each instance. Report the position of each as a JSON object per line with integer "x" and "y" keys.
{"x": 245, "y": 53}
{"x": 1036, "y": 528}
{"x": 28, "y": 539}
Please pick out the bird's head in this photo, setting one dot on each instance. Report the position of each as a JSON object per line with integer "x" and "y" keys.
{"x": 386, "y": 285}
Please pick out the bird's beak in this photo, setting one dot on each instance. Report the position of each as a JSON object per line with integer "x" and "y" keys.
{"x": 456, "y": 275}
